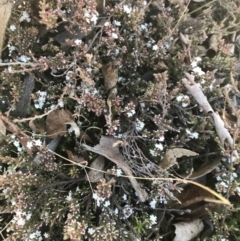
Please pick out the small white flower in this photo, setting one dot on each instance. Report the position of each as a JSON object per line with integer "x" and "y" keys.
{"x": 194, "y": 64}
{"x": 159, "y": 146}
{"x": 139, "y": 125}
{"x": 162, "y": 138}
{"x": 61, "y": 104}
{"x": 153, "y": 204}
{"x": 24, "y": 58}
{"x": 16, "y": 143}
{"x": 130, "y": 113}
{"x": 153, "y": 219}
{"x": 127, "y": 211}
{"x": 94, "y": 19}
{"x": 163, "y": 200}
{"x": 124, "y": 197}
{"x": 197, "y": 70}
{"x": 46, "y": 235}
{"x": 69, "y": 196}
{"x": 25, "y": 16}
{"x": 198, "y": 59}
{"x": 106, "y": 204}
{"x": 114, "y": 35}
{"x": 185, "y": 104}
{"x": 12, "y": 27}
{"x": 32, "y": 236}
{"x": 179, "y": 98}
{"x": 119, "y": 172}
{"x": 211, "y": 87}
{"x": 98, "y": 199}
{"x": 19, "y": 149}
{"x": 91, "y": 231}
{"x": 107, "y": 24}
{"x": 127, "y": 9}
{"x": 28, "y": 216}
{"x": 192, "y": 135}
{"x": 153, "y": 152}
{"x": 29, "y": 144}
{"x": 116, "y": 23}
{"x": 116, "y": 211}
{"x": 38, "y": 142}
{"x": 155, "y": 47}
{"x": 21, "y": 222}
{"x": 77, "y": 42}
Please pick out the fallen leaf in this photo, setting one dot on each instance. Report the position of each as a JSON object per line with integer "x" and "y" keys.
{"x": 110, "y": 74}
{"x": 56, "y": 122}
{"x": 195, "y": 199}
{"x": 95, "y": 175}
{"x": 76, "y": 158}
{"x": 108, "y": 149}
{"x": 203, "y": 170}
{"x": 171, "y": 155}
{"x": 188, "y": 230}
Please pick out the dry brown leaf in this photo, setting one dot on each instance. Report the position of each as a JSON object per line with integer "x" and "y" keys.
{"x": 204, "y": 169}
{"x": 196, "y": 199}
{"x": 110, "y": 74}
{"x": 94, "y": 175}
{"x": 56, "y": 122}
{"x": 107, "y": 149}
{"x": 171, "y": 155}
{"x": 188, "y": 230}
{"x": 76, "y": 158}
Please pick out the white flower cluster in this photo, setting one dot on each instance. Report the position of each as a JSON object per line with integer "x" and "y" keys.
{"x": 42, "y": 95}
{"x": 153, "y": 203}
{"x": 37, "y": 142}
{"x": 20, "y": 218}
{"x": 223, "y": 180}
{"x": 11, "y": 48}
{"x": 17, "y": 144}
{"x": 153, "y": 220}
{"x": 91, "y": 17}
{"x": 98, "y": 199}
{"x": 25, "y": 17}
{"x": 12, "y": 27}
{"x": 158, "y": 147}
{"x": 139, "y": 125}
{"x": 23, "y": 58}
{"x": 127, "y": 9}
{"x": 195, "y": 68}
{"x": 127, "y": 211}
